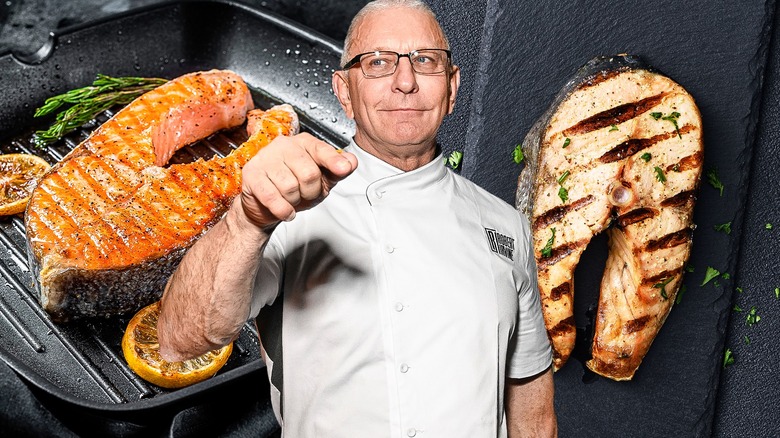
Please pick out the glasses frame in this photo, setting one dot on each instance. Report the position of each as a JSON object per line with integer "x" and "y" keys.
{"x": 356, "y": 61}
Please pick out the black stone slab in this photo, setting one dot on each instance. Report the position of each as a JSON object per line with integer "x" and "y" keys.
{"x": 750, "y": 386}
{"x": 713, "y": 49}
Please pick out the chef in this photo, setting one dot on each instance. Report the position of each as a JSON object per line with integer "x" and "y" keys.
{"x": 394, "y": 298}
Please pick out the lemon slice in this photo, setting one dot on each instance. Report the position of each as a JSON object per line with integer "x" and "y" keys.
{"x": 19, "y": 174}
{"x": 141, "y": 350}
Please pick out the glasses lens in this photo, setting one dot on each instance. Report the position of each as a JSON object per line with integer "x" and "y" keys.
{"x": 429, "y": 61}
{"x": 378, "y": 64}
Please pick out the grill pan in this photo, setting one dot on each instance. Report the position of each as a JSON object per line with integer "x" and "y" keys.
{"x": 81, "y": 363}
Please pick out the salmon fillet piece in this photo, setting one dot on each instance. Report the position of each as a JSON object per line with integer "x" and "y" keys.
{"x": 108, "y": 224}
{"x": 619, "y": 150}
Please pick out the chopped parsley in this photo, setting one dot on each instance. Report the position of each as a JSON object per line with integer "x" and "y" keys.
{"x": 689, "y": 268}
{"x": 646, "y": 156}
{"x": 777, "y": 293}
{"x": 728, "y": 358}
{"x": 662, "y": 285}
{"x": 563, "y": 193}
{"x": 739, "y": 289}
{"x": 566, "y": 142}
{"x": 737, "y": 308}
{"x": 517, "y": 154}
{"x": 710, "y": 274}
{"x": 454, "y": 159}
{"x": 712, "y": 178}
{"x": 680, "y": 293}
{"x": 613, "y": 127}
{"x": 768, "y": 226}
{"x": 671, "y": 117}
{"x": 562, "y": 178}
{"x": 659, "y": 174}
{"x": 725, "y": 228}
{"x": 747, "y": 340}
{"x": 547, "y": 250}
{"x": 752, "y": 316}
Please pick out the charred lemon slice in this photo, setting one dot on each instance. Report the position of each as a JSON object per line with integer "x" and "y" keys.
{"x": 141, "y": 350}
{"x": 19, "y": 174}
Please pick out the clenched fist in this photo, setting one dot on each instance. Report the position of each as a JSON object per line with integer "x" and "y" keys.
{"x": 291, "y": 174}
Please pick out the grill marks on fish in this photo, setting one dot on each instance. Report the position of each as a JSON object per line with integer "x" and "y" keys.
{"x": 613, "y": 125}
{"x": 615, "y": 115}
{"x": 107, "y": 225}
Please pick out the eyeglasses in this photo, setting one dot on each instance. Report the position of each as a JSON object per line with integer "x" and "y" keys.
{"x": 381, "y": 63}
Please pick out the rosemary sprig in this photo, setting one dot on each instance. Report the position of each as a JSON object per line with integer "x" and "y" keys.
{"x": 88, "y": 102}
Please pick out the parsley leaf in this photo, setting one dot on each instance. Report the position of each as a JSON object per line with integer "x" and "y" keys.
{"x": 737, "y": 308}
{"x": 517, "y": 154}
{"x": 672, "y": 117}
{"x": 768, "y": 226}
{"x": 728, "y": 358}
{"x": 752, "y": 316}
{"x": 726, "y": 228}
{"x": 777, "y": 293}
{"x": 747, "y": 340}
{"x": 662, "y": 285}
{"x": 566, "y": 142}
{"x": 712, "y": 178}
{"x": 646, "y": 156}
{"x": 613, "y": 128}
{"x": 454, "y": 159}
{"x": 680, "y": 293}
{"x": 659, "y": 174}
{"x": 656, "y": 115}
{"x": 563, "y": 194}
{"x": 547, "y": 250}
{"x": 711, "y": 274}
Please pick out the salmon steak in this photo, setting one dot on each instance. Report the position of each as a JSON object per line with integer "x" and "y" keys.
{"x": 109, "y": 223}
{"x": 620, "y": 149}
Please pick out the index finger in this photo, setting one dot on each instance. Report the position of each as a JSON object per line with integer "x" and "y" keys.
{"x": 336, "y": 163}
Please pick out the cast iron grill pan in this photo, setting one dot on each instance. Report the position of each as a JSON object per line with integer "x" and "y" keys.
{"x": 81, "y": 362}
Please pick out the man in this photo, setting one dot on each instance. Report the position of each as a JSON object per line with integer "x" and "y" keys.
{"x": 398, "y": 298}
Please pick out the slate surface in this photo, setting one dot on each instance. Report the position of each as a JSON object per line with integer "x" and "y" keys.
{"x": 748, "y": 398}
{"x": 714, "y": 49}
{"x": 524, "y": 52}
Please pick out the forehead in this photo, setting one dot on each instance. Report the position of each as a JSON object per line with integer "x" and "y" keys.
{"x": 398, "y": 29}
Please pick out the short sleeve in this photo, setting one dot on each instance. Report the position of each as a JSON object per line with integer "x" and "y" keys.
{"x": 529, "y": 350}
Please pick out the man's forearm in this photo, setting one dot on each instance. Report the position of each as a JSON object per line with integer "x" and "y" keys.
{"x": 530, "y": 411}
{"x": 207, "y": 300}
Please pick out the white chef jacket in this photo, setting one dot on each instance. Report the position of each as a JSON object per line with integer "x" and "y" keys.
{"x": 403, "y": 301}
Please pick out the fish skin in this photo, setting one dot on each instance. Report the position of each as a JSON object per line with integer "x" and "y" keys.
{"x": 108, "y": 225}
{"x": 650, "y": 239}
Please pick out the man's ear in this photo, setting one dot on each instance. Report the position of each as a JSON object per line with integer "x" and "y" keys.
{"x": 453, "y": 86}
{"x": 340, "y": 84}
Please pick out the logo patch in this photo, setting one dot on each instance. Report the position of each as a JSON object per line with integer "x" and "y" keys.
{"x": 500, "y": 244}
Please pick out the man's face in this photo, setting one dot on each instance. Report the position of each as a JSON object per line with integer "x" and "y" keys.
{"x": 401, "y": 113}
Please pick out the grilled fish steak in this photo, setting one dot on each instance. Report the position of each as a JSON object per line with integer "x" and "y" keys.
{"x": 620, "y": 149}
{"x": 108, "y": 224}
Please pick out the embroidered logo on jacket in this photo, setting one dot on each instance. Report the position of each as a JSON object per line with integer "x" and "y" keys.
{"x": 500, "y": 244}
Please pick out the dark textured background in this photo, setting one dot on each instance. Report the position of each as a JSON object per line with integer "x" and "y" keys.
{"x": 514, "y": 57}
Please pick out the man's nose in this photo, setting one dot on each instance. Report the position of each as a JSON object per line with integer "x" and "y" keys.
{"x": 405, "y": 79}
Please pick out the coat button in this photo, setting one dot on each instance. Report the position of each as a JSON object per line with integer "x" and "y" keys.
{"x": 411, "y": 432}
{"x": 389, "y": 249}
{"x": 404, "y": 367}
{"x": 399, "y": 307}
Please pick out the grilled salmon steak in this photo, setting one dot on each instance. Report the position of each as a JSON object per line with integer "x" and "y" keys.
{"x": 108, "y": 224}
{"x": 620, "y": 149}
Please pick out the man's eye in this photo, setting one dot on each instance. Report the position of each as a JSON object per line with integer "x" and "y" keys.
{"x": 378, "y": 62}
{"x": 422, "y": 59}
